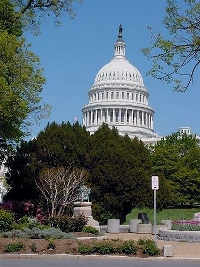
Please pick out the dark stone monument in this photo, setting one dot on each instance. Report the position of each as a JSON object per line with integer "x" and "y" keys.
{"x": 143, "y": 217}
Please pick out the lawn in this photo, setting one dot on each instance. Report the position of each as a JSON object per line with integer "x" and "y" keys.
{"x": 172, "y": 214}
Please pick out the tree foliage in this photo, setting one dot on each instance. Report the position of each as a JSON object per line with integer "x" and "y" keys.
{"x": 176, "y": 157}
{"x": 58, "y": 145}
{"x": 120, "y": 171}
{"x": 176, "y": 57}
{"x": 32, "y": 12}
{"x": 21, "y": 79}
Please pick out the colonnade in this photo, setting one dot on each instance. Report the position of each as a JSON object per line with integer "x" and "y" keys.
{"x": 118, "y": 115}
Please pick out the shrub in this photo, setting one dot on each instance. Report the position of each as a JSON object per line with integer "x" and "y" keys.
{"x": 37, "y": 233}
{"x": 90, "y": 229}
{"x": 109, "y": 247}
{"x": 33, "y": 247}
{"x": 51, "y": 244}
{"x": 149, "y": 247}
{"x": 85, "y": 249}
{"x": 6, "y": 220}
{"x": 129, "y": 247}
{"x": 186, "y": 226}
{"x": 68, "y": 224}
{"x": 14, "y": 247}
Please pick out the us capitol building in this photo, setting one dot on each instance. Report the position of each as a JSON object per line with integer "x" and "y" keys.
{"x": 119, "y": 98}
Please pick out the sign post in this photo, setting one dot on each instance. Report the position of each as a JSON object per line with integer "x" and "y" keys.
{"x": 155, "y": 187}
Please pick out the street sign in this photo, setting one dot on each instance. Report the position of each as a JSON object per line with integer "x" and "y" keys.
{"x": 155, "y": 183}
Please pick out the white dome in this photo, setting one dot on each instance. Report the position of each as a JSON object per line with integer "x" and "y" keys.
{"x": 119, "y": 70}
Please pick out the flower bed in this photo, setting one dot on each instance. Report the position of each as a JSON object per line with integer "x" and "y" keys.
{"x": 186, "y": 225}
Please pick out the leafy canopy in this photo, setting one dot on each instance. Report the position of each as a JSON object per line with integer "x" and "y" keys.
{"x": 177, "y": 159}
{"x": 176, "y": 57}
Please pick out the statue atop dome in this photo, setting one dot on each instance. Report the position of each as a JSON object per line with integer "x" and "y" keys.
{"x": 120, "y": 33}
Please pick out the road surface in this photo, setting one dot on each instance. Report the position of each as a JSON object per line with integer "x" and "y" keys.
{"x": 64, "y": 261}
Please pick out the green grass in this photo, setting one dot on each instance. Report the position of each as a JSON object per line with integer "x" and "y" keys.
{"x": 167, "y": 214}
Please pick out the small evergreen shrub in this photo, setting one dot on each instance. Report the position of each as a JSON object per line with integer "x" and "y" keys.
{"x": 90, "y": 229}
{"x": 51, "y": 244}
{"x": 109, "y": 247}
{"x": 129, "y": 247}
{"x": 33, "y": 247}
{"x": 85, "y": 249}
{"x": 68, "y": 224}
{"x": 149, "y": 247}
{"x": 14, "y": 247}
{"x": 6, "y": 220}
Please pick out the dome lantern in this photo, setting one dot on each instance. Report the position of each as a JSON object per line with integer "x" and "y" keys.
{"x": 120, "y": 46}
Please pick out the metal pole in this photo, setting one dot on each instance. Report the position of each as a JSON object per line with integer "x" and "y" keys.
{"x": 154, "y": 221}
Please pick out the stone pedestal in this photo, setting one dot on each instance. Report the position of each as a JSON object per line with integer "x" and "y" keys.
{"x": 85, "y": 209}
{"x": 113, "y": 226}
{"x": 168, "y": 251}
{"x": 197, "y": 217}
{"x": 133, "y": 225}
{"x": 168, "y": 223}
{"x": 144, "y": 228}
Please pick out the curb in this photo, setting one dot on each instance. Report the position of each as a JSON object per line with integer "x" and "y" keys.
{"x": 25, "y": 256}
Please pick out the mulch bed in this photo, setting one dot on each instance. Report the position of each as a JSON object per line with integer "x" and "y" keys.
{"x": 62, "y": 245}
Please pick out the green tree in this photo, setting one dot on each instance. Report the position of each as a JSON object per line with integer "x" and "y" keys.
{"x": 57, "y": 145}
{"x": 120, "y": 171}
{"x": 175, "y": 58}
{"x": 176, "y": 158}
{"x": 21, "y": 80}
{"x": 32, "y": 12}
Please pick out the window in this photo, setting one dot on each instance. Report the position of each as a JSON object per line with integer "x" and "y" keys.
{"x": 122, "y": 95}
{"x": 132, "y": 96}
{"x": 136, "y": 97}
{"x": 106, "y": 95}
{"x": 117, "y": 95}
{"x": 112, "y": 95}
{"x": 127, "y": 95}
{"x": 102, "y": 95}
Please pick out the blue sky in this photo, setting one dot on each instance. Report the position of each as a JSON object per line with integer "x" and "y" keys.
{"x": 72, "y": 54}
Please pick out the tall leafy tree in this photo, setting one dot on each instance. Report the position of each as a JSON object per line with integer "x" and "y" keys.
{"x": 176, "y": 157}
{"x": 176, "y": 57}
{"x": 21, "y": 80}
{"x": 57, "y": 145}
{"x": 120, "y": 170}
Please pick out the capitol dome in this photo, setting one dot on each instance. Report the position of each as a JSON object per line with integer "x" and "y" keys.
{"x": 119, "y": 98}
{"x": 119, "y": 70}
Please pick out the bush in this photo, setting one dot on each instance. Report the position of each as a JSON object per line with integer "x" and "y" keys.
{"x": 68, "y": 224}
{"x": 33, "y": 247}
{"x": 90, "y": 229}
{"x": 129, "y": 247}
{"x": 149, "y": 247}
{"x": 14, "y": 247}
{"x": 51, "y": 244}
{"x": 6, "y": 220}
{"x": 109, "y": 247}
{"x": 85, "y": 249}
{"x": 185, "y": 226}
{"x": 37, "y": 233}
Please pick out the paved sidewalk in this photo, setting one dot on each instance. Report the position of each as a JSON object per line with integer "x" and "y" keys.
{"x": 181, "y": 249}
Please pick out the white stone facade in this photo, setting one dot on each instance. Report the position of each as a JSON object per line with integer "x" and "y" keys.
{"x": 119, "y": 98}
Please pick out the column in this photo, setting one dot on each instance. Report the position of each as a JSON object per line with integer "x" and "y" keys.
{"x": 114, "y": 116}
{"x": 108, "y": 113}
{"x": 120, "y": 115}
{"x": 138, "y": 118}
{"x": 131, "y": 116}
{"x": 125, "y": 119}
{"x": 152, "y": 122}
{"x": 95, "y": 121}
